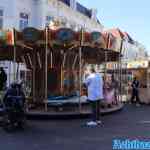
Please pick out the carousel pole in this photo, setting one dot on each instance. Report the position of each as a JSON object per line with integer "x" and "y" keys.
{"x": 62, "y": 72}
{"x": 46, "y": 64}
{"x": 80, "y": 69}
{"x": 148, "y": 80}
{"x": 51, "y": 50}
{"x": 74, "y": 62}
{"x": 106, "y": 56}
{"x": 17, "y": 72}
{"x": 14, "y": 55}
{"x": 126, "y": 71}
{"x": 51, "y": 59}
{"x": 33, "y": 68}
{"x": 61, "y": 83}
{"x": 120, "y": 68}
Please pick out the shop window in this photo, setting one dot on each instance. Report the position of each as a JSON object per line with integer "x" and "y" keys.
{"x": 24, "y": 20}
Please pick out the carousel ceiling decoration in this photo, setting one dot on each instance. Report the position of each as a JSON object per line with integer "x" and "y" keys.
{"x": 97, "y": 39}
{"x": 66, "y": 37}
{"x": 6, "y": 37}
{"x": 31, "y": 35}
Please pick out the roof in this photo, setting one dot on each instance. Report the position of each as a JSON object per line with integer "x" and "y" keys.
{"x": 128, "y": 37}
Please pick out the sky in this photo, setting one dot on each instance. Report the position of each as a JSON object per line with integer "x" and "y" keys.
{"x": 132, "y": 16}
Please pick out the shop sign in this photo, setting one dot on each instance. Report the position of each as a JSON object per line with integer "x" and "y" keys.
{"x": 137, "y": 64}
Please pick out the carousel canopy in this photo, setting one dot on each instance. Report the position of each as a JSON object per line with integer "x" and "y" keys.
{"x": 116, "y": 33}
{"x": 29, "y": 39}
{"x": 115, "y": 39}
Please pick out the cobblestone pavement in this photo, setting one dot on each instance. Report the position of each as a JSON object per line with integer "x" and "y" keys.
{"x": 130, "y": 123}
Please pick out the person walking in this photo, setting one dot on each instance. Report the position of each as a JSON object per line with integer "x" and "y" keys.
{"x": 3, "y": 78}
{"x": 135, "y": 91}
{"x": 94, "y": 84}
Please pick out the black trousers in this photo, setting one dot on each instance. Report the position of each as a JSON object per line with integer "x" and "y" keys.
{"x": 95, "y": 110}
{"x": 135, "y": 95}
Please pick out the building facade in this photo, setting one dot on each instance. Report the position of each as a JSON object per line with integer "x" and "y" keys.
{"x": 40, "y": 13}
{"x": 134, "y": 51}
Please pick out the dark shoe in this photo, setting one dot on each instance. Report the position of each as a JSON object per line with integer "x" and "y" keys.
{"x": 99, "y": 122}
{"x": 138, "y": 104}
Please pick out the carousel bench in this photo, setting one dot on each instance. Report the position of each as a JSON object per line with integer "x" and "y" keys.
{"x": 62, "y": 101}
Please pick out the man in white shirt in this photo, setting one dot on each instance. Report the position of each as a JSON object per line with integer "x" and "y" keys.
{"x": 94, "y": 83}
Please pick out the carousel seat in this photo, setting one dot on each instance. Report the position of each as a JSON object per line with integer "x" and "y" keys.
{"x": 57, "y": 97}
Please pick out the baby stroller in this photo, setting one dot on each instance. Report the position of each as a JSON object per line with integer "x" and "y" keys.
{"x": 13, "y": 104}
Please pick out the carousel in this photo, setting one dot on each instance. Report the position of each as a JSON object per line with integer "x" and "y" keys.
{"x": 56, "y": 60}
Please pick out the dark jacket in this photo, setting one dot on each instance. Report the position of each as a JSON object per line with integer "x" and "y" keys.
{"x": 3, "y": 79}
{"x": 135, "y": 85}
{"x": 14, "y": 92}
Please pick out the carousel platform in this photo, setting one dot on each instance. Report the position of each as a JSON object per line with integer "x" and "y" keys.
{"x": 66, "y": 109}
{"x": 70, "y": 113}
{"x": 85, "y": 113}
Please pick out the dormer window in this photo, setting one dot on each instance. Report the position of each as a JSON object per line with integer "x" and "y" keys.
{"x": 24, "y": 20}
{"x": 1, "y": 18}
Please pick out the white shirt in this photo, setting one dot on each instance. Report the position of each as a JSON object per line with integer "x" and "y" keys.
{"x": 94, "y": 82}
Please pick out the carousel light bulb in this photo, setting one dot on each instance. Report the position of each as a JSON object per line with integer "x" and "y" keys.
{"x": 51, "y": 23}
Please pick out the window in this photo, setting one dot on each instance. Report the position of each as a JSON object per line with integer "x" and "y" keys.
{"x": 1, "y": 23}
{"x": 48, "y": 20}
{"x": 24, "y": 20}
{"x": 67, "y": 2}
{"x": 1, "y": 18}
{"x": 85, "y": 11}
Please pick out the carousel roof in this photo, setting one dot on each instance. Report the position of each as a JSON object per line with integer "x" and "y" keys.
{"x": 31, "y": 39}
{"x": 116, "y": 32}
